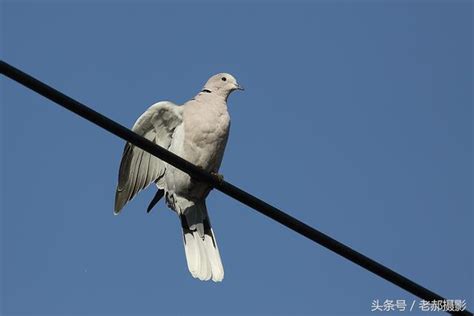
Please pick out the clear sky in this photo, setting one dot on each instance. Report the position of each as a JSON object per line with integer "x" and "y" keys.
{"x": 357, "y": 119}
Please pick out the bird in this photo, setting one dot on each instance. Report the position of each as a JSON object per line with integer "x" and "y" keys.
{"x": 197, "y": 131}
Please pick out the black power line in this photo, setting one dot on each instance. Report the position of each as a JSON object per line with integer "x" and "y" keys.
{"x": 223, "y": 186}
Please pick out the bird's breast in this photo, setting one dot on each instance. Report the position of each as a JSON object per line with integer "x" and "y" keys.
{"x": 206, "y": 133}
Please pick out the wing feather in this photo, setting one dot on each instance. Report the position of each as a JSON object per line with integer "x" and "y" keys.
{"x": 138, "y": 168}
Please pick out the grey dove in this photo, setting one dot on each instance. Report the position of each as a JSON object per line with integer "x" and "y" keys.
{"x": 196, "y": 131}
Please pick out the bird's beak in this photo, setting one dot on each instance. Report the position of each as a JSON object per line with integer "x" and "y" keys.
{"x": 239, "y": 87}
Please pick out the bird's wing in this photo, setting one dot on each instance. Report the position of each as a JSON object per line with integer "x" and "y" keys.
{"x": 138, "y": 168}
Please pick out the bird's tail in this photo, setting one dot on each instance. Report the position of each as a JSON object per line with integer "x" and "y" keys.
{"x": 200, "y": 246}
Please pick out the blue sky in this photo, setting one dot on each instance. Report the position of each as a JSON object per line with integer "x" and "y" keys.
{"x": 357, "y": 119}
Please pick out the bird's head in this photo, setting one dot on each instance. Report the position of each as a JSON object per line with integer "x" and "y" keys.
{"x": 222, "y": 84}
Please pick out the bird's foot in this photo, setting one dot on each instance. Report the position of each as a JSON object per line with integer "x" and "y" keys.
{"x": 219, "y": 177}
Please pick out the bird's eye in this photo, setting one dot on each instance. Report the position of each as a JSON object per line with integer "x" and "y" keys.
{"x": 224, "y": 78}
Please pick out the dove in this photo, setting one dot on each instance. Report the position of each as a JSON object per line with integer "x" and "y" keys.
{"x": 196, "y": 131}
